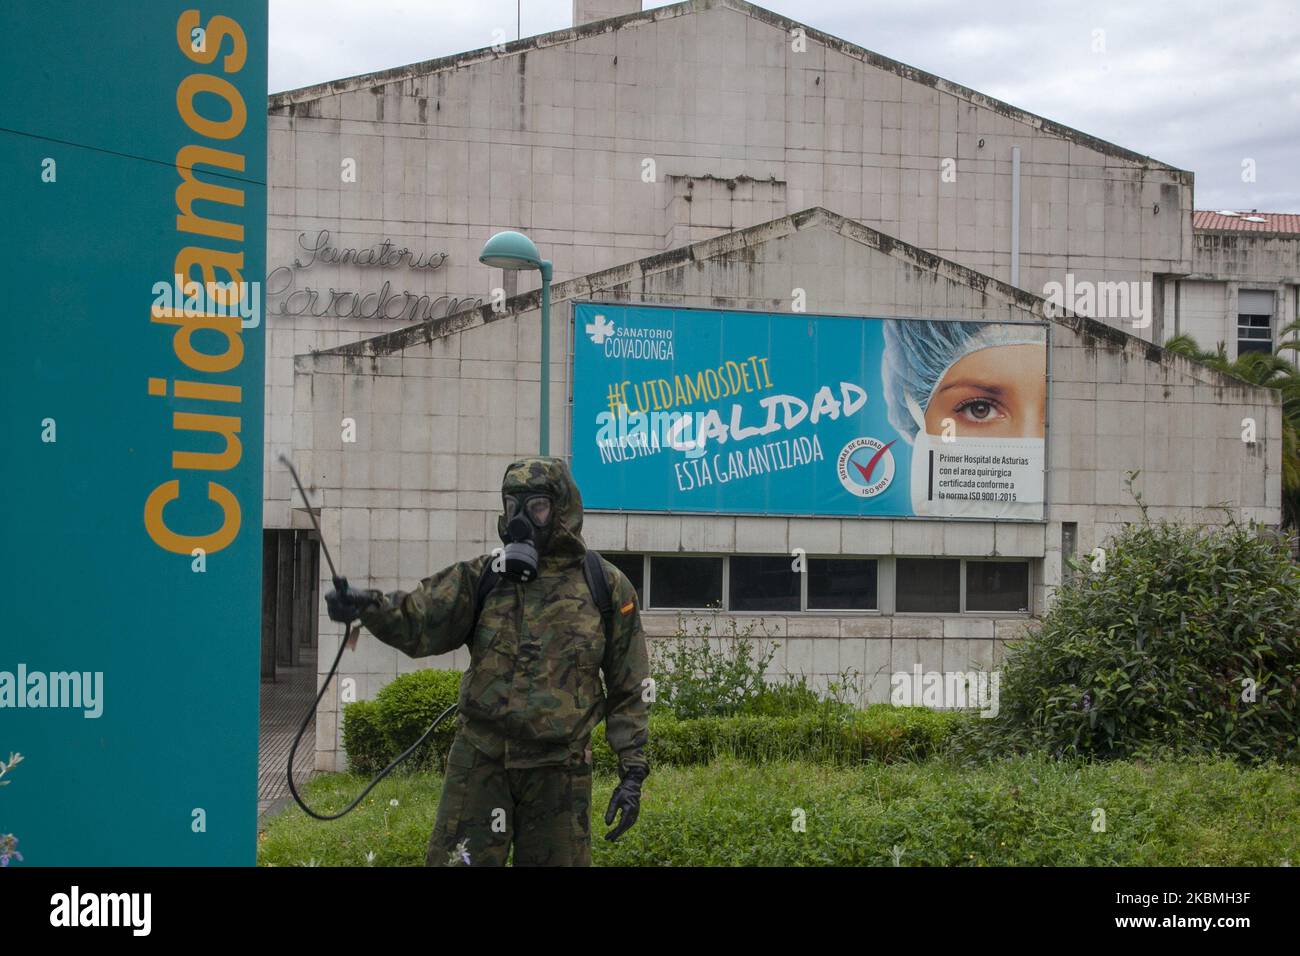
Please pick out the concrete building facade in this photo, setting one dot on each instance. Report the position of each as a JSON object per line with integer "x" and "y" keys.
{"x": 714, "y": 154}
{"x": 620, "y": 139}
{"x": 437, "y": 409}
{"x": 1244, "y": 289}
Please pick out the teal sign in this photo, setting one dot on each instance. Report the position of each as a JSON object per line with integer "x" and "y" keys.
{"x": 706, "y": 410}
{"x": 133, "y": 152}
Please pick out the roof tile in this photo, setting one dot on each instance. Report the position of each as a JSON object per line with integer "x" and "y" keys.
{"x": 1273, "y": 222}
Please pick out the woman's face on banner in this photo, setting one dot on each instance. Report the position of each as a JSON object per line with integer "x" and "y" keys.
{"x": 998, "y": 392}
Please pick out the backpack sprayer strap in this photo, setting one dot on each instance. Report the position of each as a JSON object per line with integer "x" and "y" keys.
{"x": 592, "y": 570}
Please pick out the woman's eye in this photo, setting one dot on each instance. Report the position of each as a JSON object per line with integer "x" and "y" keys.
{"x": 979, "y": 410}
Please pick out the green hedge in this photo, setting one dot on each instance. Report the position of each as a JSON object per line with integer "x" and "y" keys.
{"x": 375, "y": 732}
{"x": 879, "y": 733}
{"x": 363, "y": 739}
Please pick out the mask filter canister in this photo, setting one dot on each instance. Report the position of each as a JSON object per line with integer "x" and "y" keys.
{"x": 520, "y": 551}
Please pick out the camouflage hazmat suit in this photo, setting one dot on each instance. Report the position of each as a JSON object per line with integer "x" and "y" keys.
{"x": 519, "y": 769}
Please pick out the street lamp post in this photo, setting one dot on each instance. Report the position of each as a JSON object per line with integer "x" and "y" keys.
{"x": 514, "y": 250}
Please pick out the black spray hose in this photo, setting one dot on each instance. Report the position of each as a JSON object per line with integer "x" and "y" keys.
{"x": 341, "y": 586}
{"x": 312, "y": 713}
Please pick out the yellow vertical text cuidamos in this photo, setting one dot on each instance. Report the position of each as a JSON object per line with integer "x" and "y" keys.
{"x": 182, "y": 341}
{"x": 224, "y": 425}
{"x": 169, "y": 540}
{"x": 197, "y": 83}
{"x": 192, "y": 189}
{"x": 208, "y": 262}
{"x": 218, "y": 29}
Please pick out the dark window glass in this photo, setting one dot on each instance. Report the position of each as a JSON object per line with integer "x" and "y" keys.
{"x": 633, "y": 568}
{"x": 764, "y": 584}
{"x": 685, "y": 582}
{"x": 997, "y": 585}
{"x": 841, "y": 583}
{"x": 928, "y": 584}
{"x": 1254, "y": 333}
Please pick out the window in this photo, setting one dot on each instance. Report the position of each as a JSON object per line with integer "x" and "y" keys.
{"x": 928, "y": 585}
{"x": 633, "y": 568}
{"x": 685, "y": 582}
{"x": 1069, "y": 538}
{"x": 764, "y": 584}
{"x": 839, "y": 584}
{"x": 1254, "y": 334}
{"x": 769, "y": 583}
{"x": 1069, "y": 544}
{"x": 997, "y": 586}
{"x": 1254, "y": 321}
{"x": 953, "y": 585}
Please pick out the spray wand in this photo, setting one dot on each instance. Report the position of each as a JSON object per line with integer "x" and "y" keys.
{"x": 349, "y": 637}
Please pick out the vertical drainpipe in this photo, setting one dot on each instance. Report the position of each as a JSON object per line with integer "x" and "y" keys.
{"x": 1015, "y": 216}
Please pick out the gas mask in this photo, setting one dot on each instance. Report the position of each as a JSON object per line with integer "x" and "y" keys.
{"x": 528, "y": 527}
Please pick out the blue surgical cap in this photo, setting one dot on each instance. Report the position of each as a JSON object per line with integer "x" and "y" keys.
{"x": 919, "y": 352}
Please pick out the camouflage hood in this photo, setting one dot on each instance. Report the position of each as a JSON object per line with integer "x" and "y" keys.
{"x": 549, "y": 476}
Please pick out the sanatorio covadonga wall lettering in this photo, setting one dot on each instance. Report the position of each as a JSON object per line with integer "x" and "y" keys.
{"x": 286, "y": 297}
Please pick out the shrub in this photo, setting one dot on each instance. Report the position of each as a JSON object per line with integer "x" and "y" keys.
{"x": 1159, "y": 652}
{"x": 375, "y": 732}
{"x": 693, "y": 679}
{"x": 409, "y": 704}
{"x": 363, "y": 738}
{"x": 792, "y": 696}
{"x": 824, "y": 736}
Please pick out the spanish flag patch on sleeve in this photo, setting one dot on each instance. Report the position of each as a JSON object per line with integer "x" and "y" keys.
{"x": 628, "y": 608}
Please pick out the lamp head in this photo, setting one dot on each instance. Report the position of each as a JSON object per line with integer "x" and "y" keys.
{"x": 510, "y": 250}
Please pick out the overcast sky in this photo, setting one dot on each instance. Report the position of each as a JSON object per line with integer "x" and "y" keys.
{"x": 1200, "y": 84}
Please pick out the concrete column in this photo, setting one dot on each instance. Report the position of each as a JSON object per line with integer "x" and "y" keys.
{"x": 269, "y": 557}
{"x": 286, "y": 652}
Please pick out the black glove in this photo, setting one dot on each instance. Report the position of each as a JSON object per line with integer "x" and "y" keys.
{"x": 344, "y": 604}
{"x": 626, "y": 797}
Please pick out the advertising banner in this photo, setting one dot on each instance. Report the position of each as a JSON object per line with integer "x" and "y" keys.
{"x": 700, "y": 410}
{"x": 134, "y": 150}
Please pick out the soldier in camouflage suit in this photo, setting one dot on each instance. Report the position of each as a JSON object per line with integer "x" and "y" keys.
{"x": 519, "y": 770}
